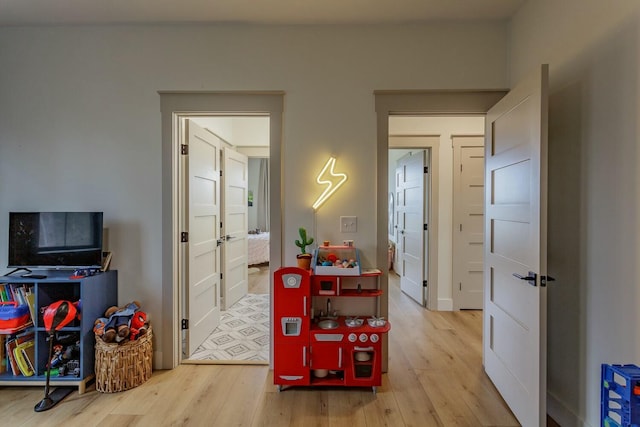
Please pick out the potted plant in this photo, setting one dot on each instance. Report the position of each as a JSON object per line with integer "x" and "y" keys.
{"x": 304, "y": 258}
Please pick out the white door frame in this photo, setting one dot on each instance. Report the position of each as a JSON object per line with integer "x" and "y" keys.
{"x": 413, "y": 102}
{"x": 172, "y": 105}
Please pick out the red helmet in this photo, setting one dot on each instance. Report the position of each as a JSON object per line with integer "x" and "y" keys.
{"x": 58, "y": 315}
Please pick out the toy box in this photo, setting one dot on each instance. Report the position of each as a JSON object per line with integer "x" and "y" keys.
{"x": 336, "y": 261}
{"x": 13, "y": 316}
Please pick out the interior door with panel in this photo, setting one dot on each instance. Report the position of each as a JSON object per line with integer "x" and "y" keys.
{"x": 203, "y": 217}
{"x": 397, "y": 219}
{"x": 235, "y": 227}
{"x": 514, "y": 340}
{"x": 468, "y": 221}
{"x": 411, "y": 222}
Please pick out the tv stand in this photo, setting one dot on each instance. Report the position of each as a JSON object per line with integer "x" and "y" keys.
{"x": 97, "y": 293}
{"x": 15, "y": 270}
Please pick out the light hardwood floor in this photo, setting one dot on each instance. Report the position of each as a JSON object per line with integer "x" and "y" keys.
{"x": 435, "y": 378}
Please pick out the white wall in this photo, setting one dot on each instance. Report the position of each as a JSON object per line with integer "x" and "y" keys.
{"x": 444, "y": 127}
{"x": 593, "y": 51}
{"x": 80, "y": 118}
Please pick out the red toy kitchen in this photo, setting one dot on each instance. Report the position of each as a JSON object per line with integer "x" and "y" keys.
{"x": 326, "y": 328}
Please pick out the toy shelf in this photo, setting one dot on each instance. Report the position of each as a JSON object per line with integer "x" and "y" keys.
{"x": 96, "y": 294}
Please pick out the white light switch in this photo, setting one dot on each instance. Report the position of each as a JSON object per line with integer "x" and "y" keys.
{"x": 348, "y": 224}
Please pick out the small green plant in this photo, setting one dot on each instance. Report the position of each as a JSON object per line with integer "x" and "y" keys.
{"x": 303, "y": 242}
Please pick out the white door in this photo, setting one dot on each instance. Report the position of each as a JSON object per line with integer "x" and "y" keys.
{"x": 398, "y": 208}
{"x": 203, "y": 216}
{"x": 235, "y": 227}
{"x": 468, "y": 221}
{"x": 411, "y": 224}
{"x": 515, "y": 317}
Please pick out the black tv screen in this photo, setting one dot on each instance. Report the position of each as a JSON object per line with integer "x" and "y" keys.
{"x": 55, "y": 239}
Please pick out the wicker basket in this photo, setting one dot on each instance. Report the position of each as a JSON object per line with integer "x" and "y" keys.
{"x": 124, "y": 366}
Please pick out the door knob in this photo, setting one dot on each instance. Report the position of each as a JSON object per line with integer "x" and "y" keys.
{"x": 530, "y": 277}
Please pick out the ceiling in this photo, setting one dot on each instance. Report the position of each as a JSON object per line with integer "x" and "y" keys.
{"x": 78, "y": 12}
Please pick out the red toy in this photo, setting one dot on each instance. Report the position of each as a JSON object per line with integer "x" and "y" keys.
{"x": 138, "y": 325}
{"x": 56, "y": 316}
{"x": 59, "y": 314}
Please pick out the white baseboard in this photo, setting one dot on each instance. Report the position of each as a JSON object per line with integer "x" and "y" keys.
{"x": 563, "y": 415}
{"x": 157, "y": 360}
{"x": 445, "y": 304}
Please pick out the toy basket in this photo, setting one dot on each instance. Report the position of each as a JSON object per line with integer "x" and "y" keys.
{"x": 124, "y": 366}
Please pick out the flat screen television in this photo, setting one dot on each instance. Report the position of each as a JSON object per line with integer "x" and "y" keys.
{"x": 55, "y": 240}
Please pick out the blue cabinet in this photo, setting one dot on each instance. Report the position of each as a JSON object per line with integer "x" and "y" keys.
{"x": 95, "y": 293}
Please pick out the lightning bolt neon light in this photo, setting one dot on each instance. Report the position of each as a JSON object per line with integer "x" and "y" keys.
{"x": 331, "y": 184}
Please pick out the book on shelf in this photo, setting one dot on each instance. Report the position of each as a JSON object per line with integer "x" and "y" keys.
{"x": 15, "y": 292}
{"x": 31, "y": 301}
{"x": 12, "y": 365}
{"x": 24, "y": 354}
{"x": 12, "y": 343}
{"x": 4, "y": 296}
{"x": 3, "y": 355}
{"x": 106, "y": 260}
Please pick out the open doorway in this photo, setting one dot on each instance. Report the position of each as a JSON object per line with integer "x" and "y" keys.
{"x": 434, "y": 251}
{"x": 173, "y": 106}
{"x": 515, "y": 176}
{"x": 241, "y": 334}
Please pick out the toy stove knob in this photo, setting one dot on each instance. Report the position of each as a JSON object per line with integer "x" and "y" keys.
{"x": 352, "y": 337}
{"x": 374, "y": 338}
{"x": 363, "y": 337}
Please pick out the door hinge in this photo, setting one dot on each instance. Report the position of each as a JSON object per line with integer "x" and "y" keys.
{"x": 184, "y": 149}
{"x": 426, "y": 227}
{"x": 184, "y": 237}
{"x": 424, "y": 283}
{"x": 545, "y": 279}
{"x": 426, "y": 169}
{"x": 460, "y": 227}
{"x": 221, "y": 276}
{"x": 220, "y": 172}
{"x": 460, "y": 286}
{"x": 184, "y": 324}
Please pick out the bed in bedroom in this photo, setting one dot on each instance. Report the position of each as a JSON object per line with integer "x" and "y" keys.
{"x": 258, "y": 248}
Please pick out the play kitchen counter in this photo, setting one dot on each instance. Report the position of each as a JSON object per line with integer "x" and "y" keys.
{"x": 327, "y": 332}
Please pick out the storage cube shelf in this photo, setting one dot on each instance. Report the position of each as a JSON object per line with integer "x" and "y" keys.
{"x": 96, "y": 294}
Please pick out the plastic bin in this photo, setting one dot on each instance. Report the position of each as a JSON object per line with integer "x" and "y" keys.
{"x": 620, "y": 397}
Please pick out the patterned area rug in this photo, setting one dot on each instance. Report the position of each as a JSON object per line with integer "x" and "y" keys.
{"x": 243, "y": 333}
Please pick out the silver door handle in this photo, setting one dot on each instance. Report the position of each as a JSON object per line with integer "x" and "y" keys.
{"x": 530, "y": 277}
